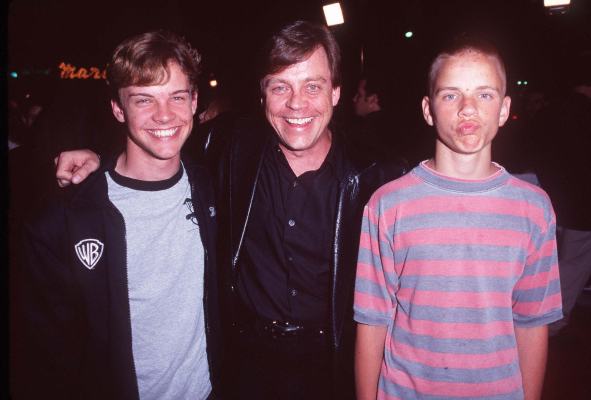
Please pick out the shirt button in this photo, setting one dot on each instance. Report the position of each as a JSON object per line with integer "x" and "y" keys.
{"x": 289, "y": 258}
{"x": 295, "y": 183}
{"x": 294, "y": 292}
{"x": 291, "y": 222}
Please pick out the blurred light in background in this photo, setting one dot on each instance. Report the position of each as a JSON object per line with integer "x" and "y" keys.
{"x": 213, "y": 83}
{"x": 556, "y": 7}
{"x": 408, "y": 34}
{"x": 14, "y": 74}
{"x": 333, "y": 14}
{"x": 554, "y": 3}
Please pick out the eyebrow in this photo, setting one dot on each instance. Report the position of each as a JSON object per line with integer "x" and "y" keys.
{"x": 151, "y": 95}
{"x": 311, "y": 79}
{"x": 484, "y": 87}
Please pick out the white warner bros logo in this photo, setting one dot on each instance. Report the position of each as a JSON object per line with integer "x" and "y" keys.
{"x": 89, "y": 252}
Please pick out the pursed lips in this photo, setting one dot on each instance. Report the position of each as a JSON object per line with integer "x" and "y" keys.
{"x": 468, "y": 127}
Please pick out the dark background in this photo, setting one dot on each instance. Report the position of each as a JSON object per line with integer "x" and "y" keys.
{"x": 538, "y": 46}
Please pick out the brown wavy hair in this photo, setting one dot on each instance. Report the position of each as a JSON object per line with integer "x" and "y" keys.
{"x": 144, "y": 59}
{"x": 294, "y": 43}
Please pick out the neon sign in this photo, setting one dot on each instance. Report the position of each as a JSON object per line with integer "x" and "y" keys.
{"x": 69, "y": 71}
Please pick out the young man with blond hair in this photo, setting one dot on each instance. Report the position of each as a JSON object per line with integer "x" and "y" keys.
{"x": 457, "y": 276}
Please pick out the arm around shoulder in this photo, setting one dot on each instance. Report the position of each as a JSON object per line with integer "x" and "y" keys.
{"x": 74, "y": 166}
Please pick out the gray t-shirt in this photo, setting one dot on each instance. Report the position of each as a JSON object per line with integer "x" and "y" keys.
{"x": 165, "y": 271}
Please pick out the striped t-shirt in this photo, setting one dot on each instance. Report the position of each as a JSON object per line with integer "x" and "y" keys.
{"x": 451, "y": 266}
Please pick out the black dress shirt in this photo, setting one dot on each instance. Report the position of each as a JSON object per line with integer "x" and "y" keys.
{"x": 284, "y": 270}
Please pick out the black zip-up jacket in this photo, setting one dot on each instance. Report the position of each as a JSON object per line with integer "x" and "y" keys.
{"x": 237, "y": 178}
{"x": 78, "y": 328}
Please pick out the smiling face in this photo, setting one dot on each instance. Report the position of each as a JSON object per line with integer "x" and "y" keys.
{"x": 159, "y": 118}
{"x": 467, "y": 104}
{"x": 299, "y": 102}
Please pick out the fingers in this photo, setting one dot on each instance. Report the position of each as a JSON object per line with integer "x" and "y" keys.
{"x": 82, "y": 172}
{"x": 75, "y": 166}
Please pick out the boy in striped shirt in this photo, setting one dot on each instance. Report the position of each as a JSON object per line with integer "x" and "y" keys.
{"x": 457, "y": 276}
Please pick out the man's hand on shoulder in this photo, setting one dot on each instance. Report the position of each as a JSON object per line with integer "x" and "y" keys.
{"x": 74, "y": 166}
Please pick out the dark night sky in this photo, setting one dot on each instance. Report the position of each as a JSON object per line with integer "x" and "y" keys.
{"x": 41, "y": 34}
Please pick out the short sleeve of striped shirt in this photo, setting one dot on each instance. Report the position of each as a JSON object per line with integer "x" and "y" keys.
{"x": 376, "y": 279}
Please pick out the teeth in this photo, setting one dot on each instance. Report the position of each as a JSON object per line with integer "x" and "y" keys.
{"x": 298, "y": 121}
{"x": 163, "y": 132}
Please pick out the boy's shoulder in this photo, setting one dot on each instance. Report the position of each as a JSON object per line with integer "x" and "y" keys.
{"x": 395, "y": 188}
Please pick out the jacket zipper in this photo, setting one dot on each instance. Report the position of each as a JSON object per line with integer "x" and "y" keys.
{"x": 124, "y": 238}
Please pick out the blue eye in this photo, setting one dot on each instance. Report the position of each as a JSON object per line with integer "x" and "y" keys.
{"x": 449, "y": 97}
{"x": 486, "y": 96}
{"x": 279, "y": 89}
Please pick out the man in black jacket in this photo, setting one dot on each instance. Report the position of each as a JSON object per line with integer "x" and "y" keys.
{"x": 291, "y": 196}
{"x": 119, "y": 285}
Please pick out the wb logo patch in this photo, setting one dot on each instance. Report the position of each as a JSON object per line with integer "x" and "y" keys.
{"x": 89, "y": 252}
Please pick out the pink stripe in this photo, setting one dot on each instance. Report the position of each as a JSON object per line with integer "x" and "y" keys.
{"x": 434, "y": 388}
{"x": 369, "y": 272}
{"x": 519, "y": 183}
{"x": 446, "y": 360}
{"x": 373, "y": 303}
{"x": 539, "y": 280}
{"x": 405, "y": 182}
{"x": 365, "y": 240}
{"x": 455, "y": 330}
{"x": 493, "y": 237}
{"x": 548, "y": 249}
{"x": 454, "y": 299}
{"x": 467, "y": 204}
{"x": 451, "y": 268}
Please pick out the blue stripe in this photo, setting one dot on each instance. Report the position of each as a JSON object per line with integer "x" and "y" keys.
{"x": 476, "y": 284}
{"x": 465, "y": 220}
{"x": 371, "y": 317}
{"x": 367, "y": 286}
{"x": 457, "y": 314}
{"x": 455, "y": 252}
{"x": 544, "y": 264}
{"x": 464, "y": 375}
{"x": 408, "y": 394}
{"x": 537, "y": 294}
{"x": 454, "y": 346}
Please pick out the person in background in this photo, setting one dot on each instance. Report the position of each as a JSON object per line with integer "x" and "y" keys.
{"x": 563, "y": 168}
{"x": 457, "y": 278}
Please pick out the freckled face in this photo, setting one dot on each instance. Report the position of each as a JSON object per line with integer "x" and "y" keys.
{"x": 468, "y": 103}
{"x": 299, "y": 102}
{"x": 159, "y": 118}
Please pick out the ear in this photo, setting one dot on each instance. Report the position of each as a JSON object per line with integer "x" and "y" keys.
{"x": 426, "y": 105}
{"x": 505, "y": 110}
{"x": 118, "y": 111}
{"x": 336, "y": 95}
{"x": 194, "y": 102}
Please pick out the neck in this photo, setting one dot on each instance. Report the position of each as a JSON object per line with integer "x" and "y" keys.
{"x": 302, "y": 161}
{"x": 149, "y": 169}
{"x": 462, "y": 166}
